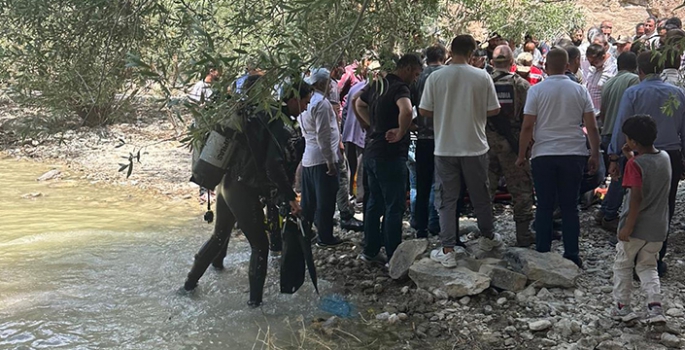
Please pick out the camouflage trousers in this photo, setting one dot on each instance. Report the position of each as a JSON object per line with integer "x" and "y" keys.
{"x": 519, "y": 180}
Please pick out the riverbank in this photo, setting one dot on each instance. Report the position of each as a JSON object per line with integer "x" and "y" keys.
{"x": 96, "y": 154}
{"x": 549, "y": 318}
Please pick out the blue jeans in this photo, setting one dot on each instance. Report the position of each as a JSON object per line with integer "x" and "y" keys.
{"x": 592, "y": 181}
{"x": 387, "y": 179}
{"x": 557, "y": 179}
{"x": 425, "y": 216}
{"x": 614, "y": 197}
{"x": 433, "y": 218}
{"x": 318, "y": 200}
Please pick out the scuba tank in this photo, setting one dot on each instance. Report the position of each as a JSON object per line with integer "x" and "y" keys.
{"x": 216, "y": 155}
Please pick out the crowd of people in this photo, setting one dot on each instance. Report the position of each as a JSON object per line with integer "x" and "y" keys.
{"x": 553, "y": 121}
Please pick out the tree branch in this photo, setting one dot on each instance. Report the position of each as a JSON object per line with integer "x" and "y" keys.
{"x": 354, "y": 29}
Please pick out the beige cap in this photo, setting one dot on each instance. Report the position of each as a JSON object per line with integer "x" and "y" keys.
{"x": 622, "y": 40}
{"x": 523, "y": 62}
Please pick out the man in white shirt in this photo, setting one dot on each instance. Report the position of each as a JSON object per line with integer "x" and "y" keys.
{"x": 319, "y": 126}
{"x": 672, "y": 73}
{"x": 651, "y": 35}
{"x": 202, "y": 90}
{"x": 601, "y": 67}
{"x": 554, "y": 112}
{"x": 459, "y": 98}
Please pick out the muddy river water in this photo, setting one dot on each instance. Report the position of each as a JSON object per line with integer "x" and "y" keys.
{"x": 86, "y": 266}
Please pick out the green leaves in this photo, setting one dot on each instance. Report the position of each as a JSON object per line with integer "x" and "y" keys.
{"x": 671, "y": 105}
{"x": 75, "y": 56}
{"x": 540, "y": 18}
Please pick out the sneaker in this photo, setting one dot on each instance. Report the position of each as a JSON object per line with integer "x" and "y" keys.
{"x": 610, "y": 225}
{"x": 446, "y": 259}
{"x": 623, "y": 313}
{"x": 599, "y": 216}
{"x": 655, "y": 314}
{"x": 332, "y": 244}
{"x": 352, "y": 224}
{"x": 378, "y": 259}
{"x": 422, "y": 234}
{"x": 488, "y": 244}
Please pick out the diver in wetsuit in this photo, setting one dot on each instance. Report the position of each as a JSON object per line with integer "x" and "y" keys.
{"x": 270, "y": 142}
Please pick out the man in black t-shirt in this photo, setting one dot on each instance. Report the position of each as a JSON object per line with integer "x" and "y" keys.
{"x": 385, "y": 105}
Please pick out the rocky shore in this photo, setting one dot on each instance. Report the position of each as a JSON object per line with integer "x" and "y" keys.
{"x": 520, "y": 299}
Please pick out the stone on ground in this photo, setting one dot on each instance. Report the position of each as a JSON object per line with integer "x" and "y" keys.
{"x": 675, "y": 312}
{"x": 405, "y": 255}
{"x": 540, "y": 325}
{"x": 503, "y": 278}
{"x": 670, "y": 340}
{"x": 470, "y": 264}
{"x": 564, "y": 327}
{"x": 548, "y": 269}
{"x": 468, "y": 227}
{"x": 610, "y": 345}
{"x": 456, "y": 282}
{"x": 52, "y": 174}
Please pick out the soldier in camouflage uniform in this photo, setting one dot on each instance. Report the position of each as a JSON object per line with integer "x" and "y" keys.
{"x": 502, "y": 132}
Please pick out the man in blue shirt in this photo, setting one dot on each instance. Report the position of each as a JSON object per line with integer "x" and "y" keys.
{"x": 648, "y": 98}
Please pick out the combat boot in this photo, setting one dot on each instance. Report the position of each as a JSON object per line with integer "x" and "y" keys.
{"x": 524, "y": 236}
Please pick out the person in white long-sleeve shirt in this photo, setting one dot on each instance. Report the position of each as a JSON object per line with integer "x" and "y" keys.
{"x": 319, "y": 126}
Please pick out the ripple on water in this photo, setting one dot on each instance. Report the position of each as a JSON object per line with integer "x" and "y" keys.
{"x": 120, "y": 292}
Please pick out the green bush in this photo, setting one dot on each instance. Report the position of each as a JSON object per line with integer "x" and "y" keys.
{"x": 69, "y": 55}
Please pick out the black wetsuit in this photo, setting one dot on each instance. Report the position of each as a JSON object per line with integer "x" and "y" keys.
{"x": 238, "y": 200}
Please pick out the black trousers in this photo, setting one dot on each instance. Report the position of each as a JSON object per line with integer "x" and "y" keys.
{"x": 425, "y": 167}
{"x": 676, "y": 173}
{"x": 236, "y": 202}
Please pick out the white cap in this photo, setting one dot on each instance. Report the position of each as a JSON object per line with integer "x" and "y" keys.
{"x": 317, "y": 75}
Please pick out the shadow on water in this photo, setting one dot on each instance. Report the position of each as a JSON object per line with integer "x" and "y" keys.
{"x": 86, "y": 267}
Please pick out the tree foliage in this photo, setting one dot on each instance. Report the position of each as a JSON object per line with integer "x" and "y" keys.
{"x": 92, "y": 57}
{"x": 70, "y": 55}
{"x": 540, "y": 18}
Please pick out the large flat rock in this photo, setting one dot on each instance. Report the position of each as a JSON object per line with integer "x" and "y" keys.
{"x": 405, "y": 255}
{"x": 457, "y": 282}
{"x": 548, "y": 269}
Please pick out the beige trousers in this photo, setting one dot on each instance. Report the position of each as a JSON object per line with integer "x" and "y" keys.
{"x": 641, "y": 256}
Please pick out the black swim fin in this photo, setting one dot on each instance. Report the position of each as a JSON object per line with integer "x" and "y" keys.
{"x": 292, "y": 258}
{"x": 306, "y": 243}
